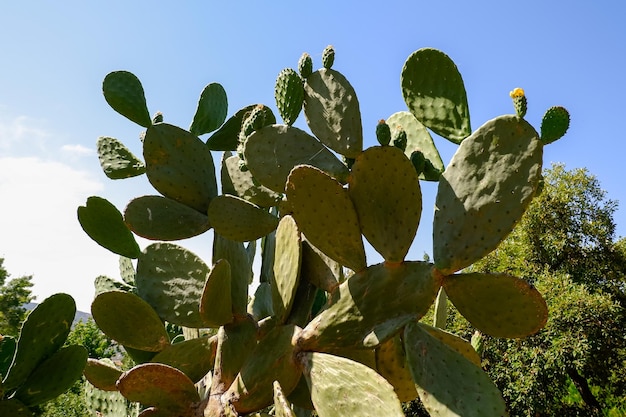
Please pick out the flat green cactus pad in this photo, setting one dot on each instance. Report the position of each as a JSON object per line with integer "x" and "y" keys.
{"x": 418, "y": 138}
{"x": 8, "y": 345}
{"x": 171, "y": 279}
{"x": 14, "y": 408}
{"x": 54, "y": 376}
{"x": 434, "y": 92}
{"x": 260, "y": 305}
{"x": 455, "y": 342}
{"x": 127, "y": 270}
{"x": 226, "y": 138}
{"x": 385, "y": 190}
{"x": 211, "y": 111}
{"x": 243, "y": 184}
{"x": 326, "y": 215}
{"x": 319, "y": 269}
{"x": 392, "y": 365}
{"x": 216, "y": 305}
{"x": 447, "y": 383}
{"x": 161, "y": 218}
{"x": 240, "y": 270}
{"x": 289, "y": 95}
{"x": 235, "y": 343}
{"x": 124, "y": 93}
{"x": 194, "y": 357}
{"x": 43, "y": 332}
{"x": 116, "y": 160}
{"x": 103, "y": 283}
{"x": 103, "y": 222}
{"x": 282, "y": 406}
{"x": 272, "y": 152}
{"x": 357, "y": 314}
{"x": 161, "y": 386}
{"x": 102, "y": 374}
{"x": 240, "y": 220}
{"x": 179, "y": 166}
{"x": 108, "y": 403}
{"x": 287, "y": 260}
{"x": 484, "y": 191}
{"x": 332, "y": 112}
{"x": 335, "y": 381}
{"x": 498, "y": 304}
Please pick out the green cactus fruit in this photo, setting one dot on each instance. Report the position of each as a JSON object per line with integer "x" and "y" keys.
{"x": 448, "y": 383}
{"x": 175, "y": 157}
{"x": 260, "y": 306}
{"x": 8, "y": 345}
{"x": 383, "y": 133}
{"x": 273, "y": 359}
{"x": 418, "y": 139}
{"x": 127, "y": 270}
{"x": 319, "y": 269}
{"x": 129, "y": 320}
{"x": 520, "y": 103}
{"x": 103, "y": 284}
{"x": 454, "y": 342}
{"x": 305, "y": 65}
{"x": 240, "y": 220}
{"x": 243, "y": 185}
{"x": 54, "y": 376}
{"x": 431, "y": 173}
{"x": 116, "y": 160}
{"x": 216, "y": 308}
{"x": 166, "y": 388}
{"x": 161, "y": 218}
{"x": 392, "y": 365}
{"x": 399, "y": 139}
{"x": 356, "y": 313}
{"x": 171, "y": 279}
{"x": 281, "y": 404}
{"x": 554, "y": 124}
{"x": 272, "y": 152}
{"x": 241, "y": 270}
{"x": 327, "y": 218}
{"x": 104, "y": 224}
{"x": 157, "y": 118}
{"x": 498, "y": 304}
{"x": 332, "y": 112}
{"x": 334, "y": 380}
{"x": 194, "y": 357}
{"x": 289, "y": 95}
{"x": 391, "y": 227}
{"x": 478, "y": 342}
{"x": 102, "y": 373}
{"x": 124, "y": 93}
{"x": 328, "y": 57}
{"x": 287, "y": 260}
{"x": 484, "y": 191}
{"x": 14, "y": 408}
{"x": 211, "y": 111}
{"x": 419, "y": 161}
{"x": 434, "y": 92}
{"x": 255, "y": 120}
{"x": 43, "y": 332}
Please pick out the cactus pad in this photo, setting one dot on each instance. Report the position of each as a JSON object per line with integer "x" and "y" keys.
{"x": 194, "y": 357}
{"x": 240, "y": 220}
{"x": 554, "y": 124}
{"x": 454, "y": 342}
{"x": 305, "y": 65}
{"x": 102, "y": 373}
{"x": 388, "y": 201}
{"x": 226, "y": 138}
{"x": 289, "y": 95}
{"x": 498, "y": 304}
{"x": 484, "y": 191}
{"x": 281, "y": 405}
{"x": 319, "y": 269}
{"x": 211, "y": 111}
{"x": 273, "y": 151}
{"x": 216, "y": 305}
{"x": 326, "y": 215}
{"x": 124, "y": 93}
{"x": 245, "y": 186}
{"x": 392, "y": 365}
{"x": 103, "y": 284}
{"x": 287, "y": 259}
{"x": 116, "y": 160}
{"x": 161, "y": 218}
{"x": 104, "y": 224}
{"x": 8, "y": 344}
{"x": 240, "y": 270}
{"x": 14, "y": 408}
{"x": 434, "y": 92}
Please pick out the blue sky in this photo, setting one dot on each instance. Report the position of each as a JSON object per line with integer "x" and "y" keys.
{"x": 55, "y": 55}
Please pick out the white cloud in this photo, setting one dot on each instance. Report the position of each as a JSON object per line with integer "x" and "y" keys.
{"x": 77, "y": 150}
{"x": 21, "y": 130}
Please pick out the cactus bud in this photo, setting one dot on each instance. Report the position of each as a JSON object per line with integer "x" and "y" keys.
{"x": 430, "y": 172}
{"x": 478, "y": 342}
{"x": 328, "y": 57}
{"x": 519, "y": 101}
{"x": 399, "y": 138}
{"x": 554, "y": 124}
{"x": 157, "y": 118}
{"x": 419, "y": 161}
{"x": 348, "y": 161}
{"x": 383, "y": 133}
{"x": 305, "y": 65}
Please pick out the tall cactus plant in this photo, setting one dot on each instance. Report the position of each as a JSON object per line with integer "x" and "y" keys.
{"x": 323, "y": 330}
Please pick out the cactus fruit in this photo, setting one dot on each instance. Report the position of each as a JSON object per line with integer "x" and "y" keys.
{"x": 554, "y": 124}
{"x": 305, "y": 65}
{"x": 399, "y": 139}
{"x": 519, "y": 102}
{"x": 289, "y": 95}
{"x": 328, "y": 57}
{"x": 383, "y": 133}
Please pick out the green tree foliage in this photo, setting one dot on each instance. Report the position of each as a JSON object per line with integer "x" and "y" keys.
{"x": 14, "y": 294}
{"x": 565, "y": 244}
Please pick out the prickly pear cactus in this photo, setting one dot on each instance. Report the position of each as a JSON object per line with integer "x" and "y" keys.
{"x": 314, "y": 334}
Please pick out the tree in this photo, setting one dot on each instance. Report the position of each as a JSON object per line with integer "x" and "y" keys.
{"x": 565, "y": 244}
{"x": 14, "y": 294}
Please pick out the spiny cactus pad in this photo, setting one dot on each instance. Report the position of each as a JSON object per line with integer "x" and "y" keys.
{"x": 211, "y": 111}
{"x": 104, "y": 284}
{"x": 388, "y": 201}
{"x": 240, "y": 220}
{"x": 319, "y": 269}
{"x": 194, "y": 357}
{"x": 260, "y": 305}
{"x": 161, "y": 218}
{"x": 226, "y": 138}
{"x": 434, "y": 92}
{"x": 447, "y": 383}
{"x": 287, "y": 260}
{"x": 289, "y": 95}
{"x": 326, "y": 215}
{"x": 175, "y": 157}
{"x": 240, "y": 270}
{"x": 498, "y": 304}
{"x": 484, "y": 191}
{"x": 216, "y": 305}
{"x": 332, "y": 112}
{"x": 103, "y": 222}
{"x": 282, "y": 406}
{"x": 454, "y": 342}
{"x": 102, "y": 373}
{"x": 235, "y": 343}
{"x": 116, "y": 160}
{"x": 392, "y": 365}
{"x": 273, "y": 151}
{"x": 124, "y": 93}
{"x": 245, "y": 186}
{"x": 127, "y": 270}
{"x": 554, "y": 124}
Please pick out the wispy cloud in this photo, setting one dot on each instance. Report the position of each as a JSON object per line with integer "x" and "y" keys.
{"x": 22, "y": 130}
{"x": 77, "y": 150}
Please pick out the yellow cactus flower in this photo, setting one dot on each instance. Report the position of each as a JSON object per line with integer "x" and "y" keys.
{"x": 518, "y": 92}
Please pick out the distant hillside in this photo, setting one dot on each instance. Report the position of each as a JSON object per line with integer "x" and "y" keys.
{"x": 80, "y": 315}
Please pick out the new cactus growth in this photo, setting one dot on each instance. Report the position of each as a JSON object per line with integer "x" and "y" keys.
{"x": 315, "y": 333}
